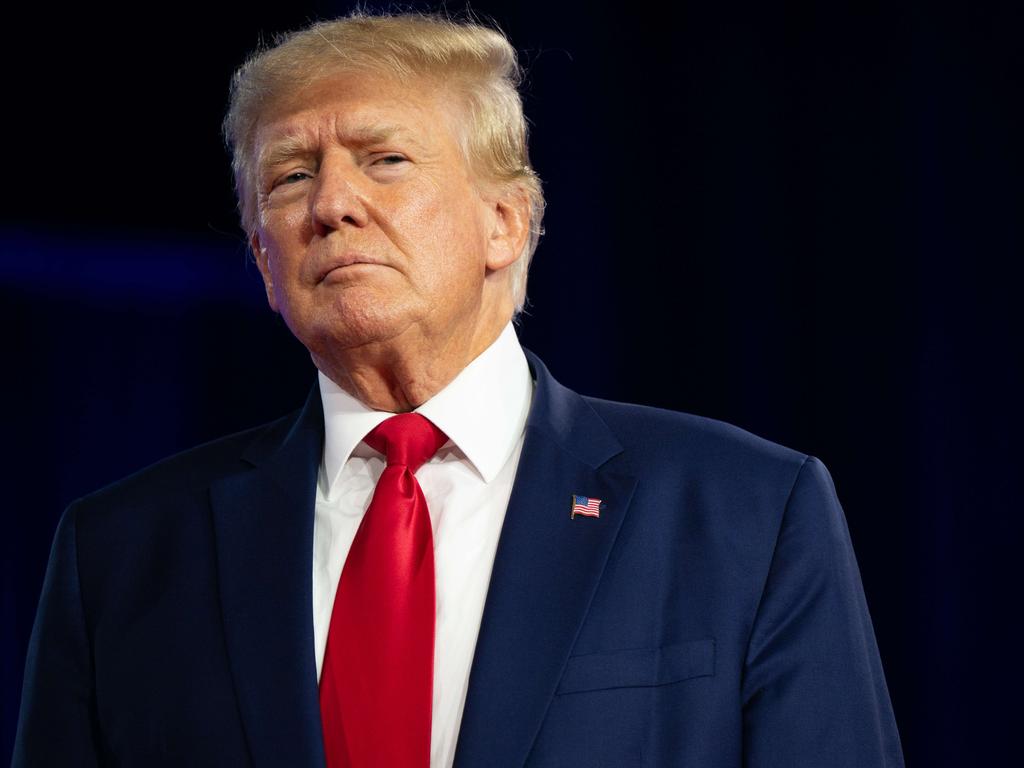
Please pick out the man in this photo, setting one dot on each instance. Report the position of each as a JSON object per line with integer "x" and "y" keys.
{"x": 505, "y": 573}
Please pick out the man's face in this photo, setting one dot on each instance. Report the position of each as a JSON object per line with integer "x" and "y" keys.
{"x": 370, "y": 225}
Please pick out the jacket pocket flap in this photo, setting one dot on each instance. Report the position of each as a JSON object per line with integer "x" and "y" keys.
{"x": 640, "y": 667}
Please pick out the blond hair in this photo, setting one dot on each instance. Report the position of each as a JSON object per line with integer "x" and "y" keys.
{"x": 476, "y": 62}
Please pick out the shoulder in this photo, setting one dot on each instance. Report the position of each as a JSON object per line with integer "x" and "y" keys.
{"x": 683, "y": 442}
{"x": 187, "y": 475}
{"x": 734, "y": 490}
{"x": 724, "y": 477}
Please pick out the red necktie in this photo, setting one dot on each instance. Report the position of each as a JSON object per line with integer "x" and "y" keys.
{"x": 376, "y": 686}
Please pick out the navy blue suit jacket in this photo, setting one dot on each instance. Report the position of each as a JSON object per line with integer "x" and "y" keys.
{"x": 712, "y": 616}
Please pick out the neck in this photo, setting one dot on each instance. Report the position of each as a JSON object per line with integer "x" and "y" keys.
{"x": 402, "y": 373}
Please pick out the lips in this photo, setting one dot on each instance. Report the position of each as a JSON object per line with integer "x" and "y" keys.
{"x": 346, "y": 260}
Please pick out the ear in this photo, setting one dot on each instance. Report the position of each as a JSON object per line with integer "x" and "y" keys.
{"x": 509, "y": 223}
{"x": 263, "y": 263}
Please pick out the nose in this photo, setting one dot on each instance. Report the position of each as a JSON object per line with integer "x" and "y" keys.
{"x": 337, "y": 199}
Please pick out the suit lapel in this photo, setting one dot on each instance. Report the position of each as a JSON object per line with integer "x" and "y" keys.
{"x": 263, "y": 520}
{"x": 545, "y": 573}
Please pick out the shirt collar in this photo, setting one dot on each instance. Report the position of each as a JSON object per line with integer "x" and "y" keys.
{"x": 483, "y": 411}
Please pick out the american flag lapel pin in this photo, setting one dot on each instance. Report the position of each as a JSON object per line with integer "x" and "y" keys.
{"x": 586, "y": 506}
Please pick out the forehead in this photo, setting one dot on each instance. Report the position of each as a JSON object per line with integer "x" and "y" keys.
{"x": 360, "y": 107}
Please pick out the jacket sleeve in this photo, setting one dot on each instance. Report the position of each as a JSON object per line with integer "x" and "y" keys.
{"x": 57, "y": 721}
{"x": 813, "y": 690}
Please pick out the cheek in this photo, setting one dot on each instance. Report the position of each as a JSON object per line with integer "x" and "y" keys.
{"x": 284, "y": 235}
{"x": 289, "y": 225}
{"x": 443, "y": 225}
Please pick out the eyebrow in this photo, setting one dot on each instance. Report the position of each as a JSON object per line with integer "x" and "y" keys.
{"x": 282, "y": 150}
{"x": 291, "y": 146}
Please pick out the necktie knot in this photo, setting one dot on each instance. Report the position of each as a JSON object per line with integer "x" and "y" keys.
{"x": 407, "y": 439}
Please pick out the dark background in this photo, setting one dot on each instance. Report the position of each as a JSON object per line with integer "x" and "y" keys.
{"x": 802, "y": 219}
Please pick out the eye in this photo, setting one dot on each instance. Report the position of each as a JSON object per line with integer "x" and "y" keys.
{"x": 389, "y": 160}
{"x": 288, "y": 179}
{"x": 291, "y": 178}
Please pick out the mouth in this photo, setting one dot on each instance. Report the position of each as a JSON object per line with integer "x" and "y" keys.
{"x": 337, "y": 267}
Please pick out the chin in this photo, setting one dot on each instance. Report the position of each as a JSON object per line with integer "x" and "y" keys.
{"x": 354, "y": 325}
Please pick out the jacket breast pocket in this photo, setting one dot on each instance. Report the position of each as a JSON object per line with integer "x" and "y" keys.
{"x": 640, "y": 667}
{"x": 600, "y": 716}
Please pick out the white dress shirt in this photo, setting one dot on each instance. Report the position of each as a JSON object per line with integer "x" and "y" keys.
{"x": 467, "y": 485}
